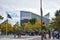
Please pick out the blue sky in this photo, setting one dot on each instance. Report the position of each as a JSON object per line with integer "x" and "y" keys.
{"x": 29, "y": 5}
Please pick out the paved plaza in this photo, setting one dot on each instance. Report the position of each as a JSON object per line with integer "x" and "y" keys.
{"x": 24, "y": 38}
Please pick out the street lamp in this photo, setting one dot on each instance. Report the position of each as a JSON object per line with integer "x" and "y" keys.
{"x": 41, "y": 11}
{"x": 41, "y": 17}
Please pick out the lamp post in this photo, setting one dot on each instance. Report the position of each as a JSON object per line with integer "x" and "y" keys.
{"x": 41, "y": 11}
{"x": 41, "y": 18}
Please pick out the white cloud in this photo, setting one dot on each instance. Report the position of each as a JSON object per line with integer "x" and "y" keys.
{"x": 29, "y": 5}
{"x": 14, "y": 20}
{"x": 31, "y": 10}
{"x": 15, "y": 14}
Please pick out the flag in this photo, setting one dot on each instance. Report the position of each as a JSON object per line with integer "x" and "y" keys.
{"x": 9, "y": 16}
{"x": 47, "y": 16}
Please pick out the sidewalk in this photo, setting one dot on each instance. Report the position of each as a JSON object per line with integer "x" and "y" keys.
{"x": 26, "y": 38}
{"x": 39, "y": 38}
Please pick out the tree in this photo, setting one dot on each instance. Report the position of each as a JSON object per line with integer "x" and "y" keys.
{"x": 3, "y": 27}
{"x": 7, "y": 25}
{"x": 57, "y": 13}
{"x": 32, "y": 21}
{"x": 1, "y": 17}
{"x": 9, "y": 28}
{"x": 37, "y": 25}
{"x": 56, "y": 22}
{"x": 17, "y": 28}
{"x": 28, "y": 27}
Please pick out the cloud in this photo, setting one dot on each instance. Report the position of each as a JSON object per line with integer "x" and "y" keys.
{"x": 30, "y": 5}
{"x": 31, "y": 10}
{"x": 14, "y": 14}
{"x": 15, "y": 17}
{"x": 14, "y": 20}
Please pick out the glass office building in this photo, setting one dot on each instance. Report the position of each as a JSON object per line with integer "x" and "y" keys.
{"x": 26, "y": 15}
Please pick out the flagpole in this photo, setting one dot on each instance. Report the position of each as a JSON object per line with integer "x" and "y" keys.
{"x": 6, "y": 29}
{"x": 6, "y": 26}
{"x": 8, "y": 16}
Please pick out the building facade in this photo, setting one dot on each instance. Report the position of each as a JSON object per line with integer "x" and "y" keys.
{"x": 25, "y": 15}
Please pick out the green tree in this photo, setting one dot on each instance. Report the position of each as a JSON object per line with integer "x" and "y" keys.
{"x": 1, "y": 17}
{"x": 57, "y": 13}
{"x": 56, "y": 22}
{"x": 17, "y": 28}
{"x": 9, "y": 28}
{"x": 28, "y": 27}
{"x": 32, "y": 21}
{"x": 7, "y": 25}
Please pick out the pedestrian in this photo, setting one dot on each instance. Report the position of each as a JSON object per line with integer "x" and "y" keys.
{"x": 49, "y": 34}
{"x": 53, "y": 35}
{"x": 57, "y": 35}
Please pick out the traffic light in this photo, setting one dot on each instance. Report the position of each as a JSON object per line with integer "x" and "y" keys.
{"x": 43, "y": 24}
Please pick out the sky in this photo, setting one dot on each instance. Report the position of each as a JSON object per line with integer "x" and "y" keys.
{"x": 48, "y": 6}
